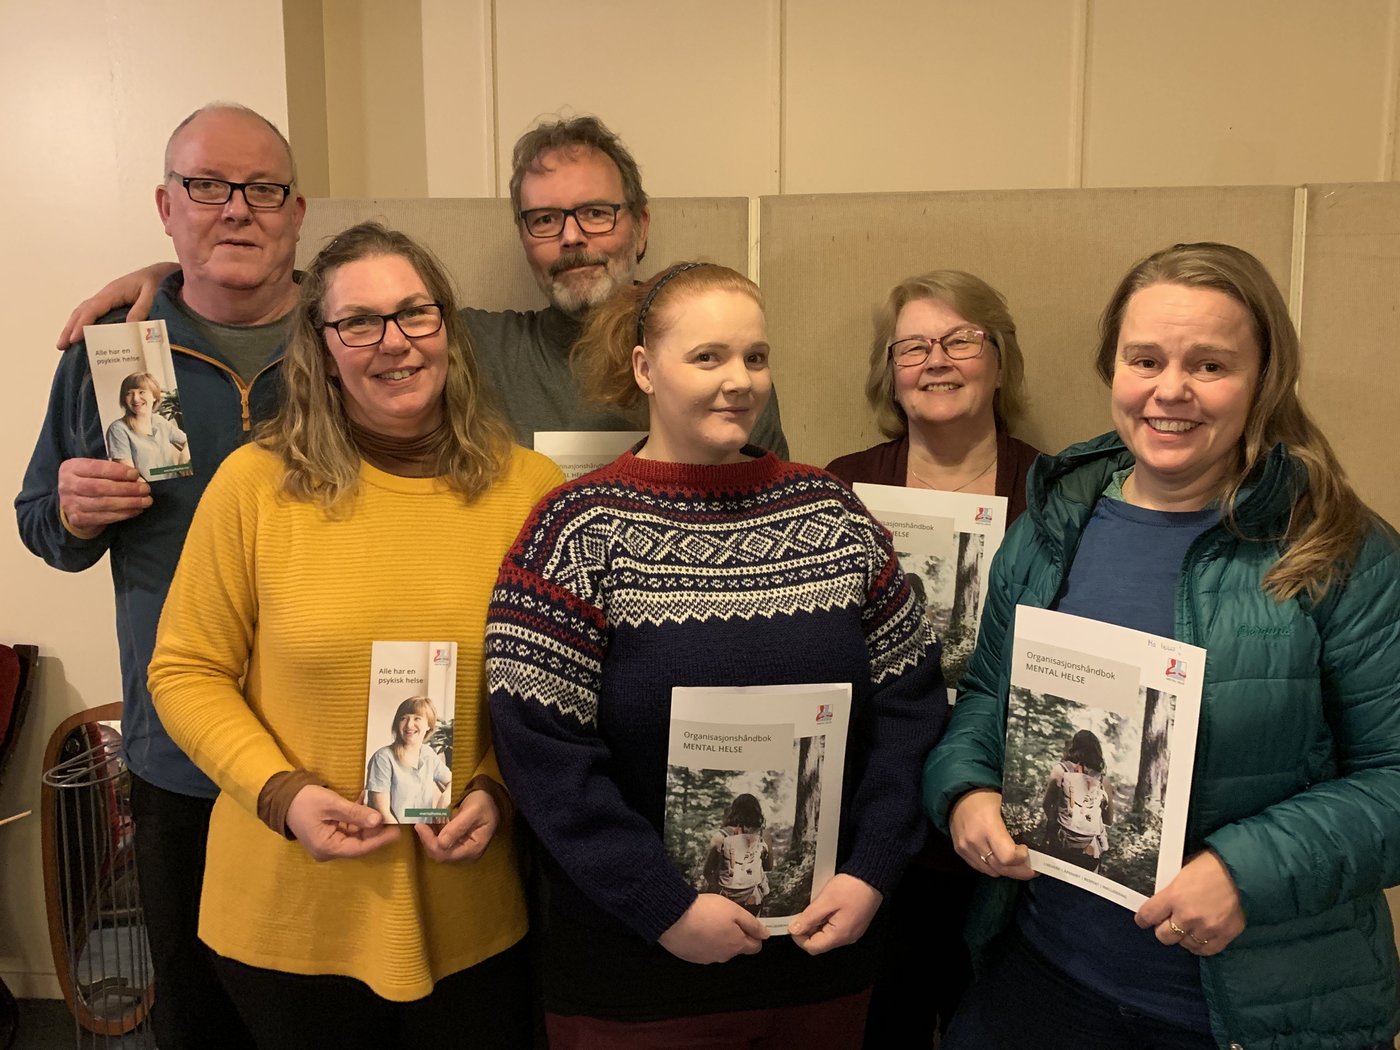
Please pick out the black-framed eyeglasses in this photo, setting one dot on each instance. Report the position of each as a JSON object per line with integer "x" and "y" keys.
{"x": 414, "y": 322}
{"x": 593, "y": 217}
{"x": 960, "y": 344}
{"x": 265, "y": 196}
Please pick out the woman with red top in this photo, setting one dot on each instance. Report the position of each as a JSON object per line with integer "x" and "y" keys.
{"x": 697, "y": 559}
{"x": 945, "y": 383}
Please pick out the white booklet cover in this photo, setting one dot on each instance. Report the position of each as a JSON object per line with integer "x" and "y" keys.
{"x": 753, "y": 792}
{"x": 133, "y": 378}
{"x": 408, "y": 736}
{"x": 945, "y": 542}
{"x": 576, "y": 452}
{"x": 1100, "y": 746}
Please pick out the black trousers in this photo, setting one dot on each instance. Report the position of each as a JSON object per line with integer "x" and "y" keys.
{"x": 485, "y": 1007}
{"x": 192, "y": 1011}
{"x": 925, "y": 967}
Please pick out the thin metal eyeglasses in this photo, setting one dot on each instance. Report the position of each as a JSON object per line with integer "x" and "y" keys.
{"x": 414, "y": 322}
{"x": 593, "y": 217}
{"x": 265, "y": 196}
{"x": 959, "y": 344}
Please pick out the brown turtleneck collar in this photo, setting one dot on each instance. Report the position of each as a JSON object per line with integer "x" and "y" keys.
{"x": 407, "y": 457}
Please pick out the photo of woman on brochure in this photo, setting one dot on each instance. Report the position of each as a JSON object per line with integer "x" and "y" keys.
{"x": 409, "y": 775}
{"x": 749, "y": 835}
{"x": 143, "y": 438}
{"x": 1078, "y": 804}
{"x": 1087, "y": 785}
{"x": 741, "y": 855}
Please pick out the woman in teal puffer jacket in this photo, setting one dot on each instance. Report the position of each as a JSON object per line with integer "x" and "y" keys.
{"x": 1216, "y": 514}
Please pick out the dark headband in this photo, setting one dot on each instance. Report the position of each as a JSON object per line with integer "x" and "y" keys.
{"x": 679, "y": 268}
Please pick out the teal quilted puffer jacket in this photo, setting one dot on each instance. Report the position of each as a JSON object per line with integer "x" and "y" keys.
{"x": 1297, "y": 775}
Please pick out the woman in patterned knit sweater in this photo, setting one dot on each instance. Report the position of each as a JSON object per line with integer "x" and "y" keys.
{"x": 699, "y": 560}
{"x": 376, "y": 506}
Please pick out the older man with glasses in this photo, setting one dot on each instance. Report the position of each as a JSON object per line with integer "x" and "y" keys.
{"x": 228, "y": 202}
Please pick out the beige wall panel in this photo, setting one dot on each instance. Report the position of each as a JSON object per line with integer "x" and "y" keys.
{"x": 916, "y": 97}
{"x": 93, "y": 95}
{"x": 1351, "y": 332}
{"x": 374, "y": 98}
{"x": 458, "y": 100}
{"x": 1054, "y": 254}
{"x": 305, "y": 40}
{"x": 476, "y": 239}
{"x": 691, "y": 88}
{"x": 1199, "y": 92}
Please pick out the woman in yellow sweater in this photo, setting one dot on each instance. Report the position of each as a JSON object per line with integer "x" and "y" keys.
{"x": 376, "y": 506}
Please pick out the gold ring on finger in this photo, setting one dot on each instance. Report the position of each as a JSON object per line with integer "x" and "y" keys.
{"x": 986, "y": 855}
{"x": 1171, "y": 924}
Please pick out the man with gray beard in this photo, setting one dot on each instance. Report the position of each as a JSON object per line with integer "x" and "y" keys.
{"x": 582, "y": 217}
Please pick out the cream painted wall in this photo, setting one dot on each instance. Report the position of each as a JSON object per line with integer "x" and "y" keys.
{"x": 304, "y": 34}
{"x": 459, "y": 102}
{"x": 691, "y": 88}
{"x": 1199, "y": 92}
{"x": 91, "y": 94}
{"x": 374, "y": 99}
{"x": 931, "y": 96}
{"x": 754, "y": 97}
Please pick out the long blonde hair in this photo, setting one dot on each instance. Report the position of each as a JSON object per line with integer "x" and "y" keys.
{"x": 311, "y": 431}
{"x": 1328, "y": 521}
{"x": 602, "y": 356}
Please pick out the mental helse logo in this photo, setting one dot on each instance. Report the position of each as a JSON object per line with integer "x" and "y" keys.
{"x": 1176, "y": 670}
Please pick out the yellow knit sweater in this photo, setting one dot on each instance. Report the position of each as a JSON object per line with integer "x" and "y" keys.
{"x": 262, "y": 664}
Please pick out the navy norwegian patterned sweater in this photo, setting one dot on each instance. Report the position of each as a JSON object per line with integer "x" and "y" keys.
{"x": 643, "y": 576}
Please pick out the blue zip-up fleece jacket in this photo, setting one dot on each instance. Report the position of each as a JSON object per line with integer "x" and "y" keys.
{"x": 1297, "y": 774}
{"x": 219, "y": 412}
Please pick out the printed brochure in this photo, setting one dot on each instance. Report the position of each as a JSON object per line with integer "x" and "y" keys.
{"x": 408, "y": 736}
{"x": 133, "y": 378}
{"x": 1100, "y": 745}
{"x": 945, "y": 541}
{"x": 753, "y": 792}
{"x": 577, "y": 452}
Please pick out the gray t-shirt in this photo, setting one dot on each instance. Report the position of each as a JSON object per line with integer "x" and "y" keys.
{"x": 245, "y": 348}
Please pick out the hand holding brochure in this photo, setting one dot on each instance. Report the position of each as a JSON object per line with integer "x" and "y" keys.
{"x": 753, "y": 792}
{"x": 1100, "y": 746}
{"x": 133, "y": 378}
{"x": 408, "y": 739}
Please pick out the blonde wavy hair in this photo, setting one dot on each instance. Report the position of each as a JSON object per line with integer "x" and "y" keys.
{"x": 602, "y": 356}
{"x": 310, "y": 430}
{"x": 1328, "y": 521}
{"x": 975, "y": 300}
